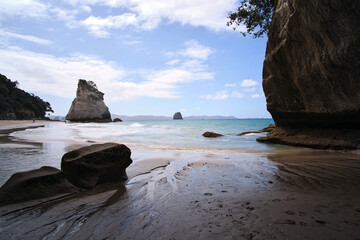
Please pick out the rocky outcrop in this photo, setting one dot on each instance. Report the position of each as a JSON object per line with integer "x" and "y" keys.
{"x": 311, "y": 69}
{"x": 269, "y": 128}
{"x": 40, "y": 183}
{"x": 321, "y": 138}
{"x": 211, "y": 134}
{"x": 96, "y": 164}
{"x": 88, "y": 106}
{"x": 117, "y": 120}
{"x": 177, "y": 116}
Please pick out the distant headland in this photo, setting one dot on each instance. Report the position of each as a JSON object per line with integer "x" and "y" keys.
{"x": 16, "y": 104}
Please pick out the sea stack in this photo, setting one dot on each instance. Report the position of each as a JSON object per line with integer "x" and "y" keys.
{"x": 311, "y": 73}
{"x": 88, "y": 106}
{"x": 177, "y": 116}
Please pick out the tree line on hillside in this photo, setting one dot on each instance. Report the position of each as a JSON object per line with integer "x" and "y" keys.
{"x": 18, "y": 104}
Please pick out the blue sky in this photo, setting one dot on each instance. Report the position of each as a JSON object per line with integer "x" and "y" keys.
{"x": 149, "y": 57}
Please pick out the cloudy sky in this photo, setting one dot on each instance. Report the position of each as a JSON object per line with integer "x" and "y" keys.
{"x": 149, "y": 57}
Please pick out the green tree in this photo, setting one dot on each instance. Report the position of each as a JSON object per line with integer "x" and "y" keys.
{"x": 255, "y": 15}
{"x": 23, "y": 105}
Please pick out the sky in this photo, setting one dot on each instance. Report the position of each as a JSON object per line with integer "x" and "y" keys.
{"x": 149, "y": 57}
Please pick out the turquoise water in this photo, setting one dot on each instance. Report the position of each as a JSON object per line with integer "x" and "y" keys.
{"x": 45, "y": 146}
{"x": 168, "y": 134}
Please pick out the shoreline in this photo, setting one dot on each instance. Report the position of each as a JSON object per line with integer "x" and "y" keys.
{"x": 205, "y": 195}
{"x": 18, "y": 123}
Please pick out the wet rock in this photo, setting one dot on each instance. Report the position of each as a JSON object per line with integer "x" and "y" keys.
{"x": 177, "y": 116}
{"x": 35, "y": 184}
{"x": 88, "y": 106}
{"x": 312, "y": 67}
{"x": 117, "y": 120}
{"x": 269, "y": 128}
{"x": 321, "y": 138}
{"x": 96, "y": 164}
{"x": 212, "y": 134}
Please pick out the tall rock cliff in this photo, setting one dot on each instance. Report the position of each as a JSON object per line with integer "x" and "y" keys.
{"x": 88, "y": 106}
{"x": 311, "y": 74}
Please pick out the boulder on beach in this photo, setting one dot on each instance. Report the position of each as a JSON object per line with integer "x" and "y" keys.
{"x": 117, "y": 120}
{"x": 88, "y": 106}
{"x": 89, "y": 166}
{"x": 311, "y": 72}
{"x": 212, "y": 134}
{"x": 35, "y": 184}
{"x": 177, "y": 116}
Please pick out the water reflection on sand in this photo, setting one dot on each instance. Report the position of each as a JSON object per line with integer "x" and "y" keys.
{"x": 295, "y": 193}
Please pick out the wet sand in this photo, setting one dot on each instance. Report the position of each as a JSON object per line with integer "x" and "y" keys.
{"x": 4, "y": 124}
{"x": 295, "y": 194}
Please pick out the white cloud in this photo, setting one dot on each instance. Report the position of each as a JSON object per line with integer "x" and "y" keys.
{"x": 256, "y": 95}
{"x": 133, "y": 42}
{"x": 196, "y": 50}
{"x": 244, "y": 83}
{"x": 221, "y": 95}
{"x": 100, "y": 26}
{"x": 47, "y": 74}
{"x": 137, "y": 14}
{"x": 236, "y": 94}
{"x": 230, "y": 85}
{"x": 29, "y": 38}
{"x": 173, "y": 62}
{"x": 250, "y": 89}
{"x": 23, "y": 8}
{"x": 248, "y": 83}
{"x": 210, "y": 14}
{"x": 148, "y": 14}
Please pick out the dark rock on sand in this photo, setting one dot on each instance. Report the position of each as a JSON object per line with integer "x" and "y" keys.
{"x": 88, "y": 106}
{"x": 117, "y": 120}
{"x": 322, "y": 138}
{"x": 96, "y": 164}
{"x": 311, "y": 72}
{"x": 35, "y": 184}
{"x": 212, "y": 134}
{"x": 177, "y": 116}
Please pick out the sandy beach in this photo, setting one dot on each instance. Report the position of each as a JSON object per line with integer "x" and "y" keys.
{"x": 4, "y": 124}
{"x": 295, "y": 194}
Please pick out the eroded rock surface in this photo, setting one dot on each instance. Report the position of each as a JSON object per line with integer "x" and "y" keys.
{"x": 99, "y": 163}
{"x": 312, "y": 66}
{"x": 35, "y": 184}
{"x": 88, "y": 106}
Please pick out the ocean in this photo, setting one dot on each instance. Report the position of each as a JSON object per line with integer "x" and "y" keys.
{"x": 166, "y": 134}
{"x": 44, "y": 146}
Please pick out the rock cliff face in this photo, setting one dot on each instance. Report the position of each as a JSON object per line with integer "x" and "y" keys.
{"x": 312, "y": 66}
{"x": 88, "y": 106}
{"x": 177, "y": 116}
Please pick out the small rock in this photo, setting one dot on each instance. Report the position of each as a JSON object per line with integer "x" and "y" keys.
{"x": 177, "y": 116}
{"x": 212, "y": 134}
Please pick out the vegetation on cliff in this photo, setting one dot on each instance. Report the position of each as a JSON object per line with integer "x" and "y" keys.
{"x": 255, "y": 15}
{"x": 18, "y": 104}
